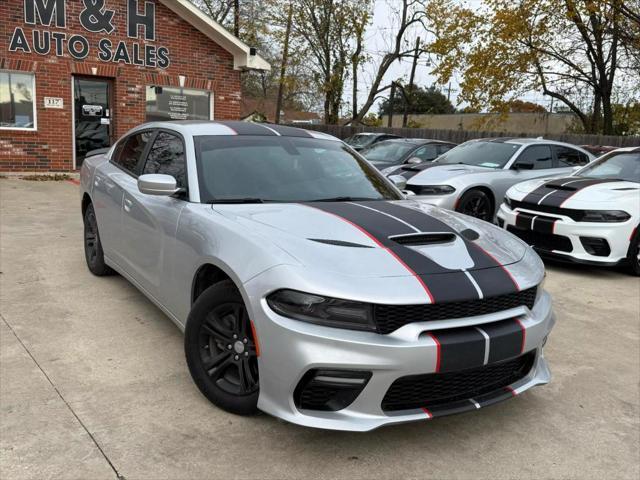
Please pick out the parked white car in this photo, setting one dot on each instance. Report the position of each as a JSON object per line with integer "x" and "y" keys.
{"x": 589, "y": 217}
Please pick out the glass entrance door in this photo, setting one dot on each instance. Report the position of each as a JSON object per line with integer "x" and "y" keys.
{"x": 92, "y": 115}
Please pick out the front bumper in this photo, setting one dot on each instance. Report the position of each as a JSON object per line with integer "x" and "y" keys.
{"x": 290, "y": 348}
{"x": 565, "y": 241}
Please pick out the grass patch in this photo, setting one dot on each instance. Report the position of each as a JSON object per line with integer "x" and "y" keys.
{"x": 58, "y": 177}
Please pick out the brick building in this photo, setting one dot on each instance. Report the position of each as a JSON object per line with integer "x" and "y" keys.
{"x": 77, "y": 74}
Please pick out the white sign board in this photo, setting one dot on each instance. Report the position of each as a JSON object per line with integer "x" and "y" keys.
{"x": 53, "y": 102}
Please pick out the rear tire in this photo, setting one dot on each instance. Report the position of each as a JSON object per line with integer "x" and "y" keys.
{"x": 476, "y": 203}
{"x": 92, "y": 246}
{"x": 633, "y": 256}
{"x": 221, "y": 353}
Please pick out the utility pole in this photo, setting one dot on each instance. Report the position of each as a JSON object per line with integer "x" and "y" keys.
{"x": 236, "y": 18}
{"x": 391, "y": 105}
{"x": 285, "y": 59}
{"x": 409, "y": 99}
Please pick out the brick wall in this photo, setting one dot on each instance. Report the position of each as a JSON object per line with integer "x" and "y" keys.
{"x": 205, "y": 64}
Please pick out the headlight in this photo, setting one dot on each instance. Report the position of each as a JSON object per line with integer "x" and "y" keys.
{"x": 608, "y": 216}
{"x": 332, "y": 312}
{"x": 434, "y": 189}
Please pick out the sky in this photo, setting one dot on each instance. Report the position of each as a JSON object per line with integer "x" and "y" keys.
{"x": 378, "y": 40}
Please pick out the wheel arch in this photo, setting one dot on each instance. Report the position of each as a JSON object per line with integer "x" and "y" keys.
{"x": 483, "y": 188}
{"x": 207, "y": 274}
{"x": 86, "y": 201}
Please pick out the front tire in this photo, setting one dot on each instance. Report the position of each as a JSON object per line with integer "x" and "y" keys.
{"x": 93, "y": 252}
{"x": 220, "y": 349}
{"x": 476, "y": 203}
{"x": 633, "y": 256}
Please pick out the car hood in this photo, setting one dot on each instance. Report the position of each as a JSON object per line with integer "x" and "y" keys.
{"x": 353, "y": 239}
{"x": 580, "y": 190}
{"x": 437, "y": 174}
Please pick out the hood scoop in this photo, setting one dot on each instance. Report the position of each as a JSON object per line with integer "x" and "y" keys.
{"x": 416, "y": 239}
{"x": 339, "y": 243}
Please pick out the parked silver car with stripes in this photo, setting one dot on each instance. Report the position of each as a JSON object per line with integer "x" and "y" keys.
{"x": 306, "y": 285}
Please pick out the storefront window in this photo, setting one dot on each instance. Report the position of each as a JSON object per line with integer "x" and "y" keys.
{"x": 17, "y": 100}
{"x": 170, "y": 103}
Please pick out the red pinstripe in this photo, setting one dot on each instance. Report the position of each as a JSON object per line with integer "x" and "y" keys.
{"x": 438, "y": 351}
{"x": 429, "y": 414}
{"x": 377, "y": 242}
{"x": 499, "y": 264}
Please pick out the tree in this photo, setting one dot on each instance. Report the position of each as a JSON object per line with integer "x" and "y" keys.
{"x": 423, "y": 101}
{"x": 522, "y": 106}
{"x": 328, "y": 28}
{"x": 410, "y": 13}
{"x": 569, "y": 50}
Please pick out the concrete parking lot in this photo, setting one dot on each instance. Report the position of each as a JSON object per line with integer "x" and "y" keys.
{"x": 93, "y": 383}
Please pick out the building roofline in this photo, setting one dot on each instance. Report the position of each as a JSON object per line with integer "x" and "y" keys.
{"x": 242, "y": 57}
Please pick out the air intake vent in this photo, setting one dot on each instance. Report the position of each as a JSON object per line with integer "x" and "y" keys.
{"x": 423, "y": 238}
{"x": 339, "y": 243}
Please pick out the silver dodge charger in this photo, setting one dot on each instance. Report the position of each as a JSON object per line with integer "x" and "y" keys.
{"x": 306, "y": 285}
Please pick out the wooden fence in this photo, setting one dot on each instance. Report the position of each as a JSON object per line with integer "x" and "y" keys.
{"x": 459, "y": 136}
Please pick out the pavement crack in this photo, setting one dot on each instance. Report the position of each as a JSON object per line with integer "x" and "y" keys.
{"x": 119, "y": 476}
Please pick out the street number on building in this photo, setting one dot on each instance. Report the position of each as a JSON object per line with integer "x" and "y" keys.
{"x": 53, "y": 102}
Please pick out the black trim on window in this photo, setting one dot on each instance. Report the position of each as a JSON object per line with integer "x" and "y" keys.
{"x": 124, "y": 140}
{"x": 145, "y": 157}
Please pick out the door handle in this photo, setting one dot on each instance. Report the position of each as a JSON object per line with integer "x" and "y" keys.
{"x": 127, "y": 205}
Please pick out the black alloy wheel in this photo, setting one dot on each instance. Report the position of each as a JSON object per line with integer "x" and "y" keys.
{"x": 227, "y": 350}
{"x": 221, "y": 351}
{"x": 476, "y": 203}
{"x": 92, "y": 246}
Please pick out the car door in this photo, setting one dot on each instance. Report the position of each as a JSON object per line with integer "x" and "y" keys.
{"x": 109, "y": 182}
{"x": 149, "y": 221}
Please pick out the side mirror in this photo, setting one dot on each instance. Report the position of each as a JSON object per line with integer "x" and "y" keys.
{"x": 399, "y": 181}
{"x": 414, "y": 160}
{"x": 523, "y": 166}
{"x": 157, "y": 184}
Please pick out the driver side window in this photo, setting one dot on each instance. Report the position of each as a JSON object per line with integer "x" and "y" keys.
{"x": 535, "y": 157}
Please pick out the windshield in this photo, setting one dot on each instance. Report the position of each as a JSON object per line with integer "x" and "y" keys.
{"x": 622, "y": 166}
{"x": 284, "y": 169}
{"x": 359, "y": 140}
{"x": 480, "y": 154}
{"x": 387, "y": 152}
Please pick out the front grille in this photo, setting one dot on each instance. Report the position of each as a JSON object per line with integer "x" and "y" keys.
{"x": 576, "y": 215}
{"x": 389, "y": 318}
{"x": 416, "y": 391}
{"x": 543, "y": 241}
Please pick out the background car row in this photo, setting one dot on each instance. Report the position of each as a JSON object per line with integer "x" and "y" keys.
{"x": 598, "y": 225}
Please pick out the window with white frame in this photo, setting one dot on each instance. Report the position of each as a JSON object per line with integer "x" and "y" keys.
{"x": 17, "y": 100}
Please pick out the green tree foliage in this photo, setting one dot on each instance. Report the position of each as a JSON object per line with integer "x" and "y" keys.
{"x": 422, "y": 100}
{"x": 570, "y": 50}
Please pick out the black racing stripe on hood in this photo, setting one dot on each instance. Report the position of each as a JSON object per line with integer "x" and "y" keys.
{"x": 494, "y": 281}
{"x": 535, "y": 195}
{"x": 444, "y": 285}
{"x": 558, "y": 197}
